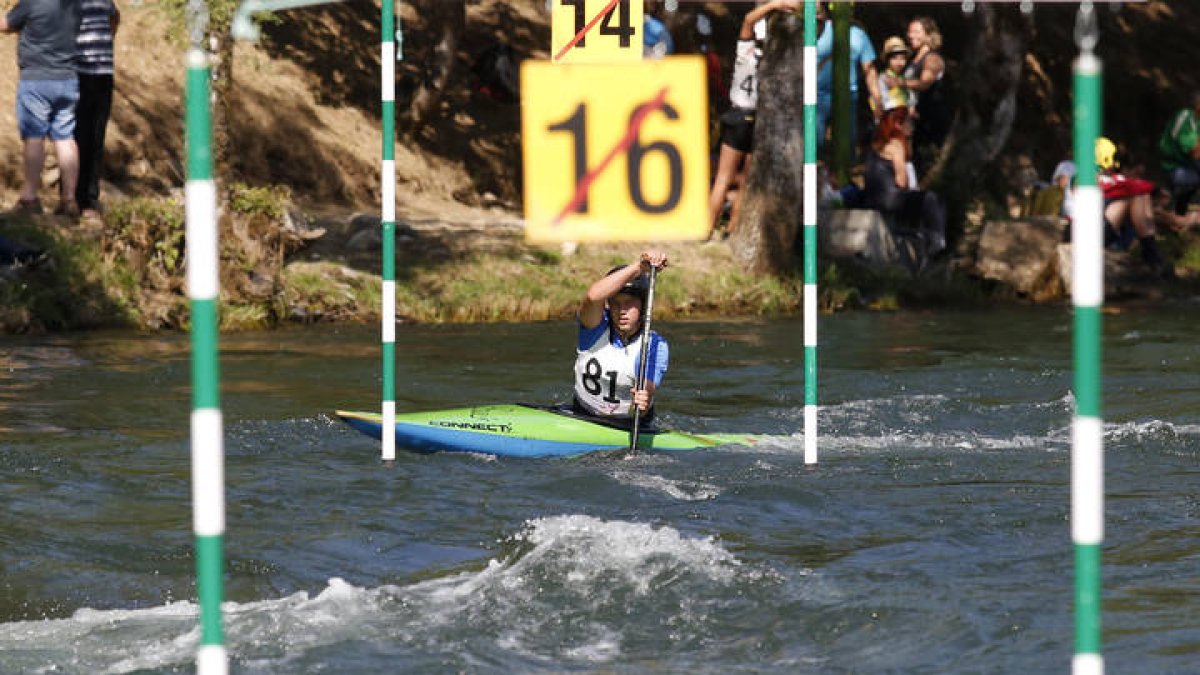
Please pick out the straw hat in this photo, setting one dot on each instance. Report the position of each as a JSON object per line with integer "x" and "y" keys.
{"x": 893, "y": 45}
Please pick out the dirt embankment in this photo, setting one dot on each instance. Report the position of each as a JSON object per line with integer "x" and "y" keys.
{"x": 308, "y": 102}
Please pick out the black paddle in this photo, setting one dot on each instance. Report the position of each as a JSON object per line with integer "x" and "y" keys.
{"x": 641, "y": 378}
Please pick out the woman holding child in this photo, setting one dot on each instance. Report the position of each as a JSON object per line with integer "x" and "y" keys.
{"x": 923, "y": 77}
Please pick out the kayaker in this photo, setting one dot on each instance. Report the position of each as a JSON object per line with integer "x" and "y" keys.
{"x": 610, "y": 340}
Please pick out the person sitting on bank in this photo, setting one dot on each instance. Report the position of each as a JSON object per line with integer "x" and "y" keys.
{"x": 1128, "y": 210}
{"x": 608, "y": 353}
{"x": 889, "y": 186}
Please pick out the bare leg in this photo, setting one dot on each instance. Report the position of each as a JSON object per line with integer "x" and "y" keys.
{"x": 736, "y": 207}
{"x": 33, "y": 156}
{"x": 68, "y": 168}
{"x": 1115, "y": 214}
{"x": 727, "y": 167}
{"x": 1141, "y": 212}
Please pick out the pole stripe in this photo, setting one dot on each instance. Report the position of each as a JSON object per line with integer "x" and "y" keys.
{"x": 1088, "y": 375}
{"x": 387, "y": 69}
{"x": 208, "y": 473}
{"x": 810, "y": 319}
{"x": 206, "y": 369}
{"x": 1087, "y": 429}
{"x": 212, "y": 659}
{"x": 1087, "y": 600}
{"x": 1087, "y": 469}
{"x": 1087, "y": 664}
{"x": 198, "y": 117}
{"x": 209, "y": 554}
{"x": 389, "y": 300}
{"x": 387, "y": 190}
{"x": 207, "y": 426}
{"x": 810, "y": 232}
{"x": 200, "y": 212}
{"x": 810, "y": 75}
{"x": 1087, "y": 277}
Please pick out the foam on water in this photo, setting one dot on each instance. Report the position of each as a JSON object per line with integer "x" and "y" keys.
{"x": 563, "y": 590}
{"x": 682, "y": 490}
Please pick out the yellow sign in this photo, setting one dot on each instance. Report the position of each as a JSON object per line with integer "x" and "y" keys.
{"x": 596, "y": 31}
{"x": 615, "y": 152}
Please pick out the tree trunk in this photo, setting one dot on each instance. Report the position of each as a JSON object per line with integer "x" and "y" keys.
{"x": 771, "y": 207}
{"x": 449, "y": 18}
{"x": 222, "y": 90}
{"x": 985, "y": 93}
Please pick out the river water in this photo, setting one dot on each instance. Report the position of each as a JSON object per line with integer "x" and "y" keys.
{"x": 932, "y": 537}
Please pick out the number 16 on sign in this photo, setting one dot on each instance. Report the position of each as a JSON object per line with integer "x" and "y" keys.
{"x": 615, "y": 152}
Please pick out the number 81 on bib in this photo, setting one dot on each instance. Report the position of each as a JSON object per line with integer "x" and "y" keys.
{"x": 615, "y": 152}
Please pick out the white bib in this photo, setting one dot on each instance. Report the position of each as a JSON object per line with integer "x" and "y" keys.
{"x": 605, "y": 375}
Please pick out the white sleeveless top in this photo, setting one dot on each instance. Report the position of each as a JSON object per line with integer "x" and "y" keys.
{"x": 743, "y": 89}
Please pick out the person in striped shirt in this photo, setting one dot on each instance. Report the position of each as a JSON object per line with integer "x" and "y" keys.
{"x": 97, "y": 28}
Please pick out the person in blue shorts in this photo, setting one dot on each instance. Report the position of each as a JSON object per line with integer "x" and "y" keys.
{"x": 608, "y": 353}
{"x": 47, "y": 92}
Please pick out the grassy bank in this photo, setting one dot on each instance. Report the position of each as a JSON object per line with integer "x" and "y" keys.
{"x": 129, "y": 272}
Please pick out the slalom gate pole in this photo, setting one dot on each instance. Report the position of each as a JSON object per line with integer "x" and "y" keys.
{"x": 387, "y": 191}
{"x": 810, "y": 232}
{"x": 1087, "y": 291}
{"x": 207, "y": 435}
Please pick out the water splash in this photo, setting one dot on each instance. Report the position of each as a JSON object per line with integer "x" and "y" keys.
{"x": 567, "y": 589}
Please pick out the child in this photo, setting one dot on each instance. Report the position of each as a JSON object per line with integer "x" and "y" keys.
{"x": 895, "y": 60}
{"x": 611, "y": 317}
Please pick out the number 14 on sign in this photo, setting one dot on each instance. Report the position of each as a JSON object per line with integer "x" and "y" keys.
{"x": 596, "y": 31}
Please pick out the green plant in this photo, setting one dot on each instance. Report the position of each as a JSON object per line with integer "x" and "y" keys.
{"x": 270, "y": 201}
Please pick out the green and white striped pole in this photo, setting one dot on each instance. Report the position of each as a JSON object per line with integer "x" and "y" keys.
{"x": 1087, "y": 291}
{"x": 810, "y": 232}
{"x": 207, "y": 437}
{"x": 388, "y": 223}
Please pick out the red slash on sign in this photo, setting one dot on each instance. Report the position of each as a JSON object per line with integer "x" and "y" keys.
{"x": 622, "y": 146}
{"x": 583, "y": 32}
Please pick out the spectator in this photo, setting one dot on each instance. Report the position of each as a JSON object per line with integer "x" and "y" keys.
{"x": 1128, "y": 210}
{"x": 1180, "y": 150}
{"x": 889, "y": 187}
{"x": 924, "y": 77}
{"x": 862, "y": 53}
{"x": 46, "y": 95}
{"x": 97, "y": 28}
{"x": 1064, "y": 179}
{"x": 892, "y": 91}
{"x": 656, "y": 38}
{"x": 718, "y": 92}
{"x": 737, "y": 124}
